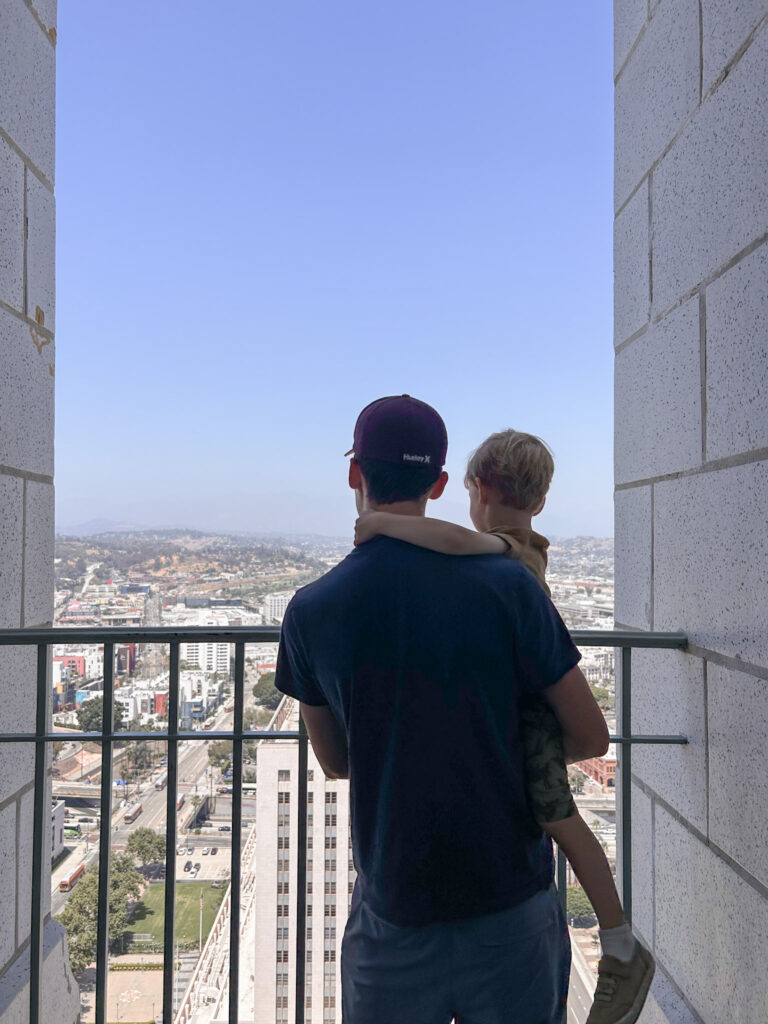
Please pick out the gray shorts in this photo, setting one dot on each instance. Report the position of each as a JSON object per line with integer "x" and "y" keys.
{"x": 506, "y": 968}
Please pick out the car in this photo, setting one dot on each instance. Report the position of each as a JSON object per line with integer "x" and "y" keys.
{"x": 217, "y": 885}
{"x": 190, "y": 850}
{"x": 214, "y": 850}
{"x": 206, "y": 851}
{"x": 193, "y": 873}
{"x": 225, "y": 828}
{"x": 188, "y": 866}
{"x": 198, "y": 866}
{"x": 181, "y": 851}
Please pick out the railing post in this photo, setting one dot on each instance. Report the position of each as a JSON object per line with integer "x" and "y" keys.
{"x": 237, "y": 820}
{"x": 625, "y": 775}
{"x": 42, "y": 807}
{"x": 105, "y": 836}
{"x": 301, "y": 875}
{"x": 169, "y": 961}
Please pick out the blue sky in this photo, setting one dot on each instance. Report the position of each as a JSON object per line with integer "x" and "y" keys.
{"x": 271, "y": 213}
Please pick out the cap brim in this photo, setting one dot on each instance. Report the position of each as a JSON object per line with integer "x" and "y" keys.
{"x": 350, "y": 452}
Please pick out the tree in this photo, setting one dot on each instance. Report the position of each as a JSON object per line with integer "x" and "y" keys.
{"x": 576, "y": 779}
{"x": 264, "y": 691}
{"x": 578, "y": 907}
{"x": 80, "y": 915}
{"x": 220, "y": 752}
{"x": 91, "y": 713}
{"x": 146, "y": 845}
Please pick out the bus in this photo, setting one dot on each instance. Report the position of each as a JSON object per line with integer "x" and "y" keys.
{"x": 161, "y": 781}
{"x": 66, "y": 883}
{"x": 132, "y": 813}
{"x": 180, "y": 802}
{"x": 208, "y": 724}
{"x": 72, "y": 830}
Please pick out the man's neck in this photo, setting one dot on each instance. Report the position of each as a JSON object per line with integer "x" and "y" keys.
{"x": 397, "y": 508}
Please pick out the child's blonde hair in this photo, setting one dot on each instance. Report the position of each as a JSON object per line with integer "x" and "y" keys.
{"x": 518, "y": 466}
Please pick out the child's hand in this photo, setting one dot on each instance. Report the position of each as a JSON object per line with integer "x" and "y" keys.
{"x": 365, "y": 527}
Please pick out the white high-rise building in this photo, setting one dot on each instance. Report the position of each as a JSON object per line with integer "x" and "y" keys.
{"x": 275, "y": 606}
{"x": 330, "y": 878}
{"x": 208, "y": 657}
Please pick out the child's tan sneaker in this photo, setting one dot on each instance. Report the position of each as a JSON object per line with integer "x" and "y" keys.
{"x": 621, "y": 988}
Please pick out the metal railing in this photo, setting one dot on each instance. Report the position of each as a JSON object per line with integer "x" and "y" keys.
{"x": 42, "y": 639}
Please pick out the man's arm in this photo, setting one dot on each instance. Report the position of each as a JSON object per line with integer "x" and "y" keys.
{"x": 585, "y": 733}
{"x": 328, "y": 740}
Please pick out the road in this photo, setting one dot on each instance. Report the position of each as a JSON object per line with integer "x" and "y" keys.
{"x": 195, "y": 776}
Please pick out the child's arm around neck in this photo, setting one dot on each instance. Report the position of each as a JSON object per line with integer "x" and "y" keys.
{"x": 434, "y": 534}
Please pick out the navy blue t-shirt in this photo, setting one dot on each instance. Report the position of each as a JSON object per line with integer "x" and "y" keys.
{"x": 424, "y": 657}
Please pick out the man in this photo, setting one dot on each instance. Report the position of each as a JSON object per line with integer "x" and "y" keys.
{"x": 410, "y": 666}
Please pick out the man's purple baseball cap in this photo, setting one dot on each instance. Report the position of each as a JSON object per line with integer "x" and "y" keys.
{"x": 400, "y": 429}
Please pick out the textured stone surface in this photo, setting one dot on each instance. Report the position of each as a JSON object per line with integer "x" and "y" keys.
{"x": 41, "y": 251}
{"x": 710, "y": 192}
{"x": 631, "y": 271}
{"x": 658, "y": 399}
{"x": 11, "y": 227}
{"x": 17, "y": 686}
{"x": 664, "y": 1005}
{"x": 27, "y": 84}
{"x": 726, "y": 24}
{"x": 668, "y": 698}
{"x": 738, "y": 741}
{"x": 38, "y": 555}
{"x": 26, "y": 397}
{"x": 8, "y": 874}
{"x": 11, "y": 531}
{"x": 711, "y": 928}
{"x": 642, "y": 866}
{"x": 633, "y": 557}
{"x": 657, "y": 91}
{"x": 61, "y": 1000}
{"x": 629, "y": 16}
{"x": 737, "y": 347}
{"x": 711, "y": 560}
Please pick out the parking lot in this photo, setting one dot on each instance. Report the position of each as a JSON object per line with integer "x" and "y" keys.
{"x": 213, "y": 866}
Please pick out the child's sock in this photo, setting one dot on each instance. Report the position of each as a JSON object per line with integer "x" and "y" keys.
{"x": 618, "y": 942}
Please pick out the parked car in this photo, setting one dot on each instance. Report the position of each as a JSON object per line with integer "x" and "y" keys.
{"x": 188, "y": 866}
{"x": 214, "y": 850}
{"x": 205, "y": 851}
{"x": 225, "y": 828}
{"x": 190, "y": 850}
{"x": 181, "y": 851}
{"x": 198, "y": 866}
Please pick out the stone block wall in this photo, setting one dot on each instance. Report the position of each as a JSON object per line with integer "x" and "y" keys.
{"x": 27, "y": 222}
{"x": 691, "y": 473}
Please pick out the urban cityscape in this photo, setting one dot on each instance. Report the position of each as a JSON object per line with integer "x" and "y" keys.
{"x": 190, "y": 578}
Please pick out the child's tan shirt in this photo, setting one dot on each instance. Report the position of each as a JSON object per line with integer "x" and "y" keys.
{"x": 527, "y": 545}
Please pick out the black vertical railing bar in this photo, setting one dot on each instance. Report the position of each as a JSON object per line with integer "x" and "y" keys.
{"x": 41, "y": 809}
{"x": 562, "y": 879}
{"x": 301, "y": 874}
{"x": 105, "y": 836}
{"x": 172, "y": 754}
{"x": 237, "y": 822}
{"x": 625, "y": 778}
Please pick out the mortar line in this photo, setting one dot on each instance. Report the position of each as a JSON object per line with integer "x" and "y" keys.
{"x": 44, "y": 179}
{"x": 24, "y": 474}
{"x": 22, "y": 609}
{"x": 25, "y": 244}
{"x": 727, "y": 462}
{"x": 703, "y": 369}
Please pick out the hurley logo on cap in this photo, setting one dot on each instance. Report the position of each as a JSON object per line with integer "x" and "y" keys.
{"x": 424, "y": 459}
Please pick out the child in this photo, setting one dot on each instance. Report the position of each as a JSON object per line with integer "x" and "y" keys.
{"x": 508, "y": 478}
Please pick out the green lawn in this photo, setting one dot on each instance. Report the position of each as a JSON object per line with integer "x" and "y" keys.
{"x": 149, "y": 915}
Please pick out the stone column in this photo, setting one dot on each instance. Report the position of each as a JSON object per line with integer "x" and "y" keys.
{"x": 27, "y": 112}
{"x": 691, "y": 473}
